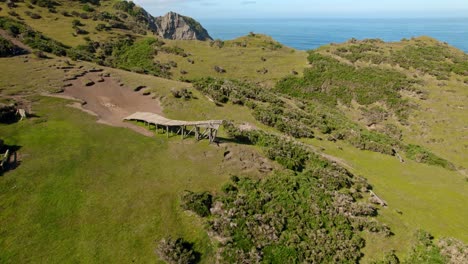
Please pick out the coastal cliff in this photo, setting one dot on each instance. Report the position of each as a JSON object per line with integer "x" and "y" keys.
{"x": 175, "y": 26}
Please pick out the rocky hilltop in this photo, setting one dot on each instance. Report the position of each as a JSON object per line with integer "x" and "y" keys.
{"x": 175, "y": 26}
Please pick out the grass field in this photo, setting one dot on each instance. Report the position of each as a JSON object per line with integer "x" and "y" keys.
{"x": 102, "y": 194}
{"x": 93, "y": 193}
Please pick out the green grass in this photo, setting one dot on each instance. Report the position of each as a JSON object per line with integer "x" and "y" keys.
{"x": 43, "y": 77}
{"x": 102, "y": 194}
{"x": 429, "y": 197}
{"x": 239, "y": 62}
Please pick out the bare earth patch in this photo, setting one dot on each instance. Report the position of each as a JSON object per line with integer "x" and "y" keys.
{"x": 110, "y": 101}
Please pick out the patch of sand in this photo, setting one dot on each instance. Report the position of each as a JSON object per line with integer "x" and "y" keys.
{"x": 110, "y": 101}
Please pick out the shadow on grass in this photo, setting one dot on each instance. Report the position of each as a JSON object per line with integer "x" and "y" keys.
{"x": 12, "y": 161}
{"x": 236, "y": 140}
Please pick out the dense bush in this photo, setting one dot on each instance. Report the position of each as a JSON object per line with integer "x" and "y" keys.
{"x": 238, "y": 92}
{"x": 8, "y": 49}
{"x": 174, "y": 50}
{"x": 181, "y": 93}
{"x": 330, "y": 81}
{"x": 425, "y": 251}
{"x": 419, "y": 154}
{"x": 44, "y": 3}
{"x": 177, "y": 251}
{"x": 200, "y": 203}
{"x": 33, "y": 15}
{"x": 283, "y": 219}
{"x": 126, "y": 54}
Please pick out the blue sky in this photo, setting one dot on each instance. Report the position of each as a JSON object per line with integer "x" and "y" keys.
{"x": 204, "y": 9}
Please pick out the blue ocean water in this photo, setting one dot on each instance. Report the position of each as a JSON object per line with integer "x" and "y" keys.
{"x": 305, "y": 34}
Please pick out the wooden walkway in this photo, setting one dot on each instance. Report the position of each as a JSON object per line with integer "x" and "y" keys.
{"x": 202, "y": 129}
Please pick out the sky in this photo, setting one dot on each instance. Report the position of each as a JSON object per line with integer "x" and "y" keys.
{"x": 206, "y": 9}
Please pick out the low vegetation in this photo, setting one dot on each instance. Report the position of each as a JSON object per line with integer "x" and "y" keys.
{"x": 301, "y": 119}
{"x": 313, "y": 123}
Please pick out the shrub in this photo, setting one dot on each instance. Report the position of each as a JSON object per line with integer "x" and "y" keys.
{"x": 44, "y": 3}
{"x": 177, "y": 251}
{"x": 88, "y": 8}
{"x": 32, "y": 15}
{"x": 425, "y": 251}
{"x": 8, "y": 49}
{"x": 199, "y": 203}
{"x": 181, "y": 93}
{"x": 102, "y": 27}
{"x": 77, "y": 23}
{"x": 217, "y": 43}
{"x": 419, "y": 154}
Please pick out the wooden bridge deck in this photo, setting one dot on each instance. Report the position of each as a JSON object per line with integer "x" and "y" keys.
{"x": 211, "y": 126}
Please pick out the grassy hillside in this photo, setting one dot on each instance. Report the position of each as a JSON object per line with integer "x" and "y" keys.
{"x": 98, "y": 188}
{"x": 106, "y": 36}
{"x": 243, "y": 58}
{"x": 88, "y": 192}
{"x": 438, "y": 97}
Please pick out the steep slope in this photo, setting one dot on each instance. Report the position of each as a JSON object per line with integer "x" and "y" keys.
{"x": 100, "y": 20}
{"x": 175, "y": 26}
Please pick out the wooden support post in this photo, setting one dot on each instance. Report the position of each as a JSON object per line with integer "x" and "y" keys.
{"x": 197, "y": 133}
{"x": 215, "y": 133}
{"x": 183, "y": 130}
{"x": 167, "y": 129}
{"x": 210, "y": 135}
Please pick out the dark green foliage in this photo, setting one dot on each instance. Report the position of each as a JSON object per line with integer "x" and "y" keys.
{"x": 389, "y": 258}
{"x": 133, "y": 10}
{"x": 289, "y": 154}
{"x": 199, "y": 203}
{"x": 88, "y": 8}
{"x": 177, "y": 251}
{"x": 329, "y": 81}
{"x": 430, "y": 57}
{"x": 32, "y": 38}
{"x": 76, "y": 23}
{"x": 93, "y": 2}
{"x": 422, "y": 155}
{"x": 174, "y": 50}
{"x": 44, "y": 3}
{"x": 81, "y": 52}
{"x": 425, "y": 251}
{"x": 181, "y": 93}
{"x": 238, "y": 92}
{"x": 283, "y": 219}
{"x": 32, "y": 15}
{"x": 102, "y": 27}
{"x": 130, "y": 55}
{"x": 8, "y": 49}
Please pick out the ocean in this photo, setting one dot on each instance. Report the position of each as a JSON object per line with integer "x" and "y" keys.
{"x": 305, "y": 34}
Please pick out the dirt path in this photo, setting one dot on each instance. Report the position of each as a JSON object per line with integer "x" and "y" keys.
{"x": 110, "y": 101}
{"x": 15, "y": 41}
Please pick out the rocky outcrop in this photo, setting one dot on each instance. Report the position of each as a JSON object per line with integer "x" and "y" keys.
{"x": 175, "y": 26}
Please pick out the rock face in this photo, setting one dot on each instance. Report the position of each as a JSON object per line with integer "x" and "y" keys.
{"x": 175, "y": 26}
